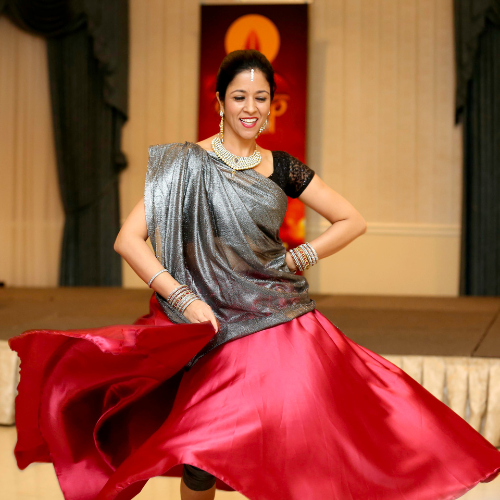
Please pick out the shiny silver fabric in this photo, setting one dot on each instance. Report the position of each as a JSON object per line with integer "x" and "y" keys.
{"x": 219, "y": 235}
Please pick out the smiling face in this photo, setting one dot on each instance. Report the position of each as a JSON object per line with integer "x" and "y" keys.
{"x": 246, "y": 104}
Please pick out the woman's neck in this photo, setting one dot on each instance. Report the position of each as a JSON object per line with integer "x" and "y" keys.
{"x": 237, "y": 145}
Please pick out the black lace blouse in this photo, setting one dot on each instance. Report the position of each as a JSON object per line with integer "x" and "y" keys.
{"x": 290, "y": 174}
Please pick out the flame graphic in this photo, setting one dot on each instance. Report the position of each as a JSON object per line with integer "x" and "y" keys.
{"x": 253, "y": 31}
{"x": 252, "y": 41}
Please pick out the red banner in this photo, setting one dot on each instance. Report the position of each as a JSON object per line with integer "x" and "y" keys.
{"x": 280, "y": 33}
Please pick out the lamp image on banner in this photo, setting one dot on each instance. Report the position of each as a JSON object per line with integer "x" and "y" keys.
{"x": 280, "y": 33}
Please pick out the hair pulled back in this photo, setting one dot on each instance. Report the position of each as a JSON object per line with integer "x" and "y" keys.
{"x": 238, "y": 61}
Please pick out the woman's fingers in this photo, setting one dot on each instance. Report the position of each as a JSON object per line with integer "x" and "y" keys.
{"x": 214, "y": 324}
{"x": 199, "y": 311}
{"x": 213, "y": 320}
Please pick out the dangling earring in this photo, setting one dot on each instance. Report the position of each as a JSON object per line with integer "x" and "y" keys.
{"x": 263, "y": 126}
{"x": 221, "y": 126}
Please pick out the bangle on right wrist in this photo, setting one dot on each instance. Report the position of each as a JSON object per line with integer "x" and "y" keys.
{"x": 180, "y": 298}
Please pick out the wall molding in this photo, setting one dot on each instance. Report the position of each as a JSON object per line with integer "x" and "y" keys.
{"x": 395, "y": 229}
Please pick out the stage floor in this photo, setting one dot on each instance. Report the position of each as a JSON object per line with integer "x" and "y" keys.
{"x": 424, "y": 326}
{"x": 427, "y": 326}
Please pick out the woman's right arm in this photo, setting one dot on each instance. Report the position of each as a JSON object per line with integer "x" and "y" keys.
{"x": 131, "y": 245}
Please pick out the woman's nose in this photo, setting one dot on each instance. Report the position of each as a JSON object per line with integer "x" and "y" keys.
{"x": 250, "y": 106}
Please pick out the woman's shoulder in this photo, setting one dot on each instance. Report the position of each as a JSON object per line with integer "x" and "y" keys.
{"x": 164, "y": 157}
{"x": 175, "y": 156}
{"x": 285, "y": 155}
{"x": 289, "y": 161}
{"x": 297, "y": 175}
{"x": 158, "y": 149}
{"x": 175, "y": 149}
{"x": 206, "y": 144}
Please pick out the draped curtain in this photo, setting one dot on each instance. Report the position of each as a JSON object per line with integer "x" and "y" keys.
{"x": 477, "y": 36}
{"x": 87, "y": 47}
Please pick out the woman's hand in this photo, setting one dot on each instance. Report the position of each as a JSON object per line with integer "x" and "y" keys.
{"x": 289, "y": 262}
{"x": 199, "y": 311}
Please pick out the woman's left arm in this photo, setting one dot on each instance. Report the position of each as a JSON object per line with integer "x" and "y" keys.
{"x": 347, "y": 222}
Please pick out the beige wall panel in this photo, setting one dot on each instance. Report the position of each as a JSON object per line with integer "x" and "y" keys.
{"x": 399, "y": 161}
{"x": 31, "y": 214}
{"x": 393, "y": 259}
{"x": 448, "y": 171}
{"x": 381, "y": 200}
{"x": 370, "y": 104}
{"x": 426, "y": 96}
{"x": 404, "y": 135}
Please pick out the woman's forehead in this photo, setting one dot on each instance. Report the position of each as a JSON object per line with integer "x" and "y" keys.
{"x": 243, "y": 81}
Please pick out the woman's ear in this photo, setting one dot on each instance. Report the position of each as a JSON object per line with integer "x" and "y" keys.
{"x": 220, "y": 104}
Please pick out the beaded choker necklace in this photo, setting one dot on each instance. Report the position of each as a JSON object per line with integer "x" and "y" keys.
{"x": 233, "y": 161}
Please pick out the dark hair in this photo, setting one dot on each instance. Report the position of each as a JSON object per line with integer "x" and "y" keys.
{"x": 238, "y": 61}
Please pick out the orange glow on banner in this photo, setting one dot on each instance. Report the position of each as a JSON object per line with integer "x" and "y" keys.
{"x": 280, "y": 33}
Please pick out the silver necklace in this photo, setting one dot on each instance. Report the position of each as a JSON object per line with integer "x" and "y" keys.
{"x": 233, "y": 161}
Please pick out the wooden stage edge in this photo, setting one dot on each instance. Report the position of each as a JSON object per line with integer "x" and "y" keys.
{"x": 397, "y": 325}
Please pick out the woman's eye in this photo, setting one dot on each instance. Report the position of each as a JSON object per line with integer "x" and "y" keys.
{"x": 241, "y": 98}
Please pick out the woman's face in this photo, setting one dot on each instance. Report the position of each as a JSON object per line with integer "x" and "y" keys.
{"x": 246, "y": 99}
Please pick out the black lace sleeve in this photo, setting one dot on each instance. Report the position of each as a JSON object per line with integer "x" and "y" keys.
{"x": 299, "y": 177}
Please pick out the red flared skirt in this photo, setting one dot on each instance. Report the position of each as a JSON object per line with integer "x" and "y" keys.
{"x": 294, "y": 412}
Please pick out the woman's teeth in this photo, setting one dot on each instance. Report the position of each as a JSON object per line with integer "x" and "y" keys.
{"x": 248, "y": 122}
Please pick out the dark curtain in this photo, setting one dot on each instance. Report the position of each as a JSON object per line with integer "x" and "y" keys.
{"x": 477, "y": 36}
{"x": 87, "y": 42}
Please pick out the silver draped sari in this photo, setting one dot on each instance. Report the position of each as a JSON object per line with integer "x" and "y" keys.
{"x": 219, "y": 235}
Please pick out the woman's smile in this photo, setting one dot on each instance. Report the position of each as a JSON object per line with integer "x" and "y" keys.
{"x": 248, "y": 122}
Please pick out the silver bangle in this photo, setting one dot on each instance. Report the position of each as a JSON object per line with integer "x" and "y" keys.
{"x": 185, "y": 304}
{"x": 311, "y": 252}
{"x": 151, "y": 280}
{"x": 304, "y": 259}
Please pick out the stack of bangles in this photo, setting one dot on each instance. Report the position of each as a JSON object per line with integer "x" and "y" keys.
{"x": 304, "y": 256}
{"x": 180, "y": 297}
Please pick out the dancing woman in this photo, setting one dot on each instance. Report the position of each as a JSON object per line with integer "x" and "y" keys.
{"x": 234, "y": 375}
{"x": 237, "y": 264}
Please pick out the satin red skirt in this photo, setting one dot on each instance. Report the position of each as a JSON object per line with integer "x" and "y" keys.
{"x": 295, "y": 412}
